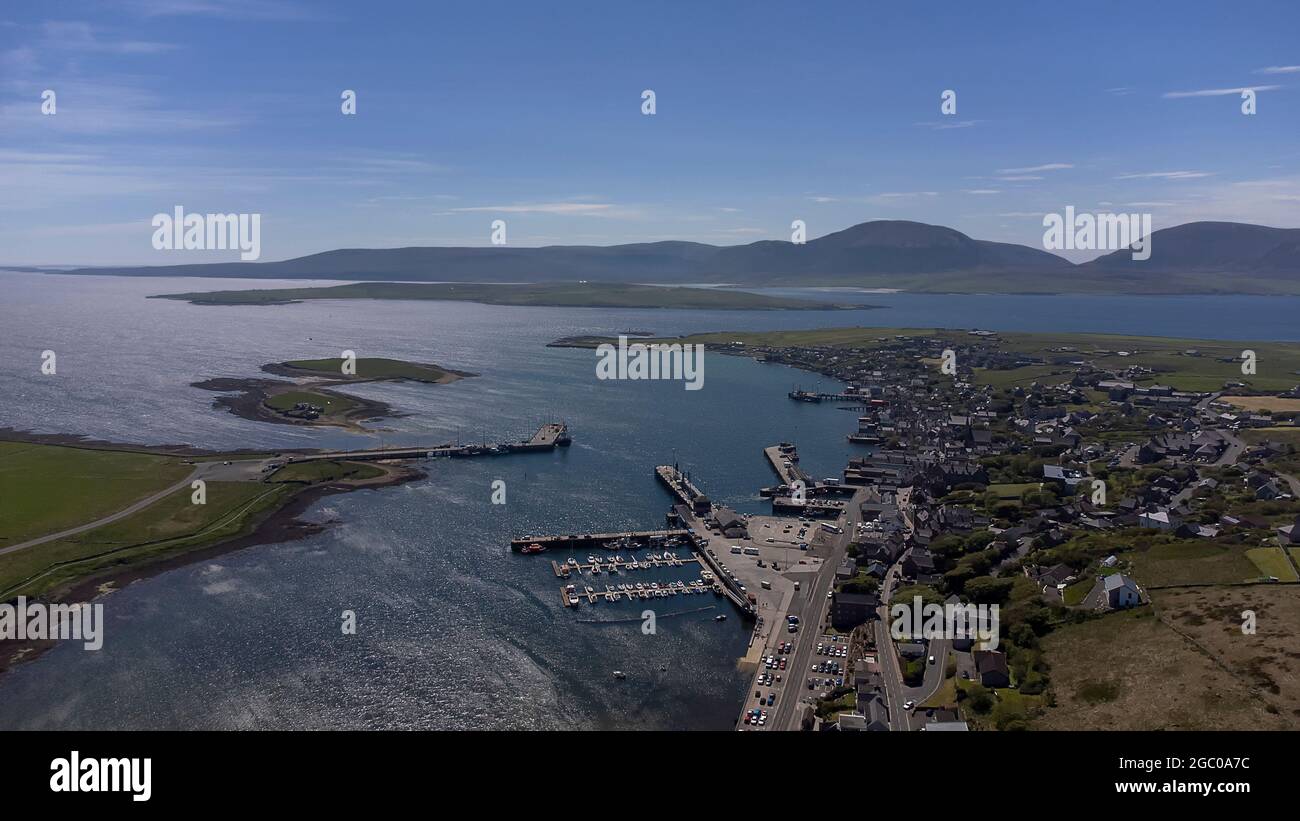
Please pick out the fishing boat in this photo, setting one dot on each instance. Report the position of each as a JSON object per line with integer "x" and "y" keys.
{"x": 533, "y": 548}
{"x": 620, "y": 675}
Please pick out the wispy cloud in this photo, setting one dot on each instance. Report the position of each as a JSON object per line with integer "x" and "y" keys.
{"x": 981, "y": 191}
{"x": 1166, "y": 175}
{"x": 944, "y": 125}
{"x": 591, "y": 209}
{"x": 1034, "y": 169}
{"x": 77, "y": 36}
{"x": 1215, "y": 92}
{"x": 227, "y": 9}
{"x": 1278, "y": 70}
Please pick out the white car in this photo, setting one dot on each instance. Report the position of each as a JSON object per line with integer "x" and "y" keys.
{"x": 909, "y": 705}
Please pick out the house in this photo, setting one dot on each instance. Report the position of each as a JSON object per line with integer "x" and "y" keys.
{"x": 1121, "y": 592}
{"x": 918, "y": 562}
{"x": 1290, "y": 534}
{"x": 848, "y": 610}
{"x": 877, "y": 715}
{"x": 1062, "y": 475}
{"x": 911, "y": 649}
{"x": 1160, "y": 520}
{"x": 991, "y": 668}
{"x": 731, "y": 523}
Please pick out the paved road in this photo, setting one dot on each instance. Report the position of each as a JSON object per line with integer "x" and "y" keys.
{"x": 812, "y": 606}
{"x": 243, "y": 470}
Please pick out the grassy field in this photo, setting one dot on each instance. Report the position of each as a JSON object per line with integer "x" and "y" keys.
{"x": 1264, "y": 403}
{"x": 369, "y": 368}
{"x": 172, "y": 525}
{"x": 1271, "y": 561}
{"x": 49, "y": 488}
{"x": 559, "y": 294}
{"x": 1191, "y": 562}
{"x": 1131, "y": 671}
{"x": 1287, "y": 435}
{"x": 334, "y": 405}
{"x": 1013, "y": 491}
{"x": 1277, "y": 367}
{"x": 325, "y": 471}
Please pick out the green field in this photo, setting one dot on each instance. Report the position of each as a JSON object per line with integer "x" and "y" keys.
{"x": 369, "y": 368}
{"x": 1191, "y": 562}
{"x": 1013, "y": 491}
{"x": 559, "y": 294}
{"x": 1277, "y": 363}
{"x": 166, "y": 528}
{"x": 325, "y": 471}
{"x": 49, "y": 488}
{"x": 331, "y": 404}
{"x": 1289, "y": 435}
{"x": 1271, "y": 561}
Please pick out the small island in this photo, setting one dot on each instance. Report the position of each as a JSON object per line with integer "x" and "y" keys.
{"x": 311, "y": 399}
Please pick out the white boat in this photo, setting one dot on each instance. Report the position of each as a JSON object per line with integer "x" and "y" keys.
{"x": 620, "y": 675}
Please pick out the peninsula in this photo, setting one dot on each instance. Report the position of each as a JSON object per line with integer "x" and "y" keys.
{"x": 550, "y": 294}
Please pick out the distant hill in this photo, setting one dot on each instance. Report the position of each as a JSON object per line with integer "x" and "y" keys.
{"x": 1212, "y": 246}
{"x": 1200, "y": 257}
{"x": 882, "y": 247}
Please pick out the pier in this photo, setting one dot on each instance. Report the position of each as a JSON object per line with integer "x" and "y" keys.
{"x": 572, "y": 595}
{"x": 812, "y": 396}
{"x": 778, "y": 455}
{"x": 680, "y": 484}
{"x": 626, "y": 540}
{"x": 616, "y": 565}
{"x": 547, "y": 438}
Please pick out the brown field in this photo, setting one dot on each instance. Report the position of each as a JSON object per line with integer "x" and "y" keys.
{"x": 1258, "y": 403}
{"x": 1183, "y": 664}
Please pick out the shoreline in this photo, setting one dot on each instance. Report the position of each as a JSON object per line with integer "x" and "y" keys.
{"x": 279, "y": 525}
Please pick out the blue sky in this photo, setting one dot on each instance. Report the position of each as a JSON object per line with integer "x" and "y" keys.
{"x": 531, "y": 112}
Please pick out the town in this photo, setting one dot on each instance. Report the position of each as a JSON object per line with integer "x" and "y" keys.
{"x": 1056, "y": 486}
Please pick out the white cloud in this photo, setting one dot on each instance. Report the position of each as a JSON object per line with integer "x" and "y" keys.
{"x": 1166, "y": 175}
{"x": 1215, "y": 92}
{"x": 1034, "y": 169}
{"x": 944, "y": 125}
{"x": 1278, "y": 70}
{"x": 578, "y": 208}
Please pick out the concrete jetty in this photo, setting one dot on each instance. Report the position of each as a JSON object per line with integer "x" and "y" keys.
{"x": 547, "y": 438}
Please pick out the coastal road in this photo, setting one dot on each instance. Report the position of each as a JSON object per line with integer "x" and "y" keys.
{"x": 242, "y": 470}
{"x": 811, "y": 606}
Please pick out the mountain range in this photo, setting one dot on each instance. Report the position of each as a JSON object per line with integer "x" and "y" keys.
{"x": 1198, "y": 257}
